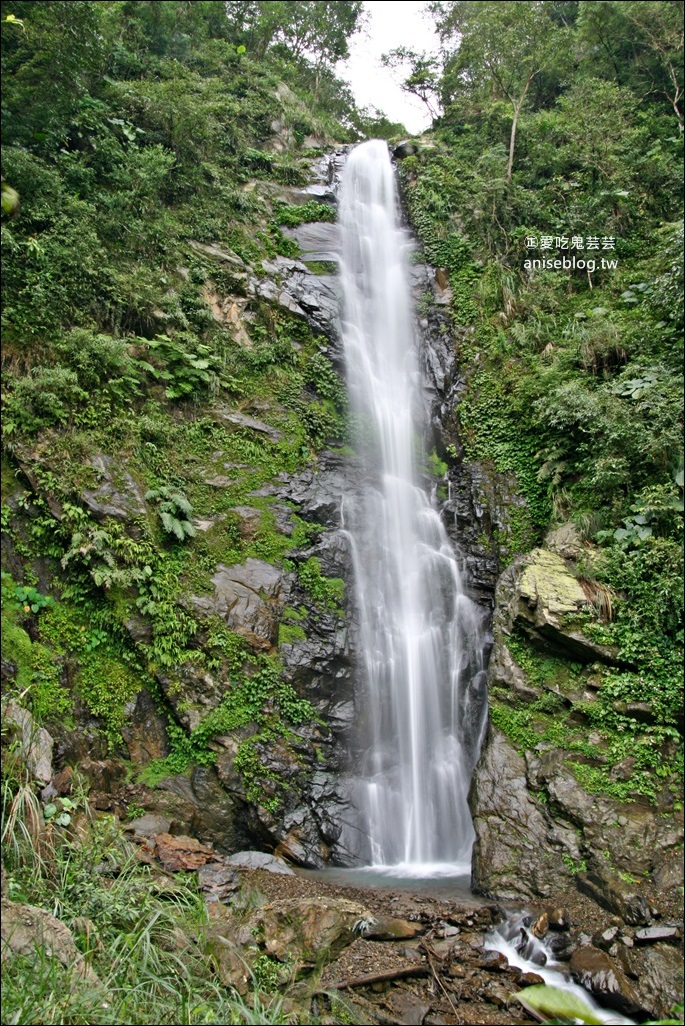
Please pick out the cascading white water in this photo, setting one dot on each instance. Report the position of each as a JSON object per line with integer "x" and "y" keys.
{"x": 522, "y": 949}
{"x": 420, "y": 722}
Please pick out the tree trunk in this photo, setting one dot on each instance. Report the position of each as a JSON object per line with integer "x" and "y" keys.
{"x": 512, "y": 143}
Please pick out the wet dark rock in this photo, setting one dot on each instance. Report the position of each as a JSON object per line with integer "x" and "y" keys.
{"x": 606, "y": 981}
{"x": 290, "y": 283}
{"x": 562, "y": 945}
{"x": 659, "y": 985}
{"x": 511, "y": 857}
{"x": 529, "y": 980}
{"x": 145, "y": 732}
{"x": 616, "y": 895}
{"x": 403, "y": 149}
{"x": 201, "y": 807}
{"x": 559, "y": 919}
{"x": 494, "y": 961}
{"x": 317, "y": 241}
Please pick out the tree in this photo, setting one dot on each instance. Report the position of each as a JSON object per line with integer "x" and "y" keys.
{"x": 502, "y": 46}
{"x": 423, "y": 78}
{"x": 660, "y": 28}
{"x": 639, "y": 44}
{"x": 317, "y": 30}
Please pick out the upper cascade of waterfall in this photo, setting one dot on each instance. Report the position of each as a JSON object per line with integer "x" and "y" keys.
{"x": 421, "y": 701}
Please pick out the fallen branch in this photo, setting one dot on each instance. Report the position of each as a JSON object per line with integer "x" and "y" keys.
{"x": 391, "y": 974}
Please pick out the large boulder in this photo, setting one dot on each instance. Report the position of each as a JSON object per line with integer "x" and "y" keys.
{"x": 308, "y": 931}
{"x": 27, "y": 930}
{"x": 540, "y": 596}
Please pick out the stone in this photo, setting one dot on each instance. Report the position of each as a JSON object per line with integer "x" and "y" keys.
{"x": 539, "y": 593}
{"x": 314, "y": 298}
{"x": 505, "y": 673}
{"x": 511, "y": 856}
{"x": 565, "y": 541}
{"x": 598, "y": 973}
{"x": 654, "y": 934}
{"x": 35, "y": 743}
{"x": 229, "y": 310}
{"x": 615, "y": 895}
{"x": 604, "y": 939}
{"x": 404, "y": 149}
{"x": 494, "y": 961}
{"x": 308, "y": 931}
{"x": 24, "y": 928}
{"x": 260, "y": 860}
{"x": 669, "y": 875}
{"x": 218, "y": 252}
{"x": 317, "y": 241}
{"x": 103, "y": 775}
{"x": 659, "y": 969}
{"x": 234, "y": 418}
{"x": 181, "y": 852}
{"x": 248, "y": 598}
{"x": 559, "y": 919}
{"x": 148, "y": 825}
{"x": 117, "y": 495}
{"x": 233, "y": 969}
{"x": 408, "y": 1010}
{"x": 218, "y": 880}
{"x": 529, "y": 980}
{"x": 145, "y": 731}
{"x": 540, "y": 926}
{"x": 387, "y": 928}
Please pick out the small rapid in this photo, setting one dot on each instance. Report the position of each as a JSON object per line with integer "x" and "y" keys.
{"x": 523, "y": 950}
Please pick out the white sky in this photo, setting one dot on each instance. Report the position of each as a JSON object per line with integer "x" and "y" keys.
{"x": 390, "y": 24}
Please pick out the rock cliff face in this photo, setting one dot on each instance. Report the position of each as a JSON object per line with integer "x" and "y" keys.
{"x": 283, "y": 786}
{"x": 536, "y": 824}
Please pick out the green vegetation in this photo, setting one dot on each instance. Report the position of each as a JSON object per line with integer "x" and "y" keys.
{"x": 142, "y": 936}
{"x": 573, "y": 374}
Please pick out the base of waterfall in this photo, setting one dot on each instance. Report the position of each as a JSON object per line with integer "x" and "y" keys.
{"x": 423, "y": 870}
{"x": 442, "y": 881}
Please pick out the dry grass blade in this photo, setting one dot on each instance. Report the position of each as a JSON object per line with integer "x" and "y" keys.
{"x": 600, "y": 596}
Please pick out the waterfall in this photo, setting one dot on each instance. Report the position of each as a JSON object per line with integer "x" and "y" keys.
{"x": 421, "y": 709}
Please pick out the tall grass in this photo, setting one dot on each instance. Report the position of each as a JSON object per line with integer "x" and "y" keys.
{"x": 142, "y": 934}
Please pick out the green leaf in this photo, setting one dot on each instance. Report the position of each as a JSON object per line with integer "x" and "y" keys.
{"x": 50, "y": 810}
{"x": 554, "y": 1002}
